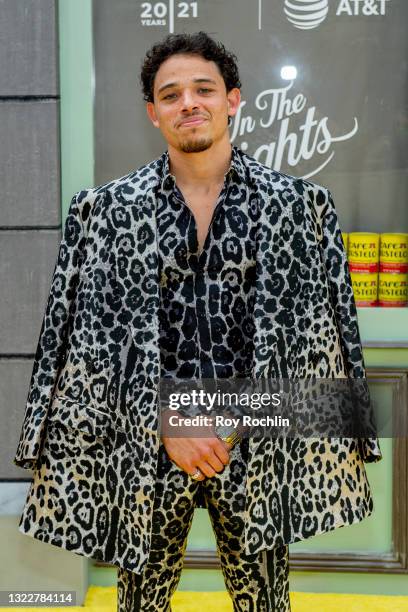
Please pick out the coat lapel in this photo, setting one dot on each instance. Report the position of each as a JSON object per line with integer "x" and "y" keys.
{"x": 275, "y": 332}
{"x": 136, "y": 259}
{"x": 265, "y": 338}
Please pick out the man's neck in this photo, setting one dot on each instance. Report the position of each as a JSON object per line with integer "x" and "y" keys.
{"x": 201, "y": 171}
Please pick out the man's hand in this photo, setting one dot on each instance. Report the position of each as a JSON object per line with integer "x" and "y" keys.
{"x": 209, "y": 455}
{"x": 207, "y": 452}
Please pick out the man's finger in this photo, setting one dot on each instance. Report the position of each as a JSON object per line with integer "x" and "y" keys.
{"x": 206, "y": 469}
{"x": 199, "y": 477}
{"x": 222, "y": 451}
{"x": 215, "y": 462}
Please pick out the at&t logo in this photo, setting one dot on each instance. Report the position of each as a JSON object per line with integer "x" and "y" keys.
{"x": 362, "y": 7}
{"x": 163, "y": 13}
{"x": 308, "y": 14}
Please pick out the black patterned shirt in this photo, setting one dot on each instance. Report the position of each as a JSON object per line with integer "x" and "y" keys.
{"x": 207, "y": 299}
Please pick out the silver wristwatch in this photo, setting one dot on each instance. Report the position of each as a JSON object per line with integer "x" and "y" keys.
{"x": 228, "y": 434}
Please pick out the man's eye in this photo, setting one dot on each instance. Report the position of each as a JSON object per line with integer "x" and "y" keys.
{"x": 205, "y": 89}
{"x": 168, "y": 96}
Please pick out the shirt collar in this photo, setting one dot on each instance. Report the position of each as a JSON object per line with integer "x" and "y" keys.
{"x": 236, "y": 169}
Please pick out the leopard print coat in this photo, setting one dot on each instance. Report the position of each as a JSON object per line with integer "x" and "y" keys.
{"x": 90, "y": 433}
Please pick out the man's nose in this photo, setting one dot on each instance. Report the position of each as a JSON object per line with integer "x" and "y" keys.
{"x": 188, "y": 100}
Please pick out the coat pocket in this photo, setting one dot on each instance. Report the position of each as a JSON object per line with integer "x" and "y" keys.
{"x": 82, "y": 417}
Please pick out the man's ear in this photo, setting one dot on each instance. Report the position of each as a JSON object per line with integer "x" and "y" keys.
{"x": 151, "y": 113}
{"x": 234, "y": 100}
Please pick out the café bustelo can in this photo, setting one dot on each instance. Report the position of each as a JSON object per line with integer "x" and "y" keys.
{"x": 365, "y": 288}
{"x": 363, "y": 252}
{"x": 393, "y": 290}
{"x": 394, "y": 253}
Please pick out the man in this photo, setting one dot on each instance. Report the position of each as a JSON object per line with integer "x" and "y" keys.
{"x": 201, "y": 264}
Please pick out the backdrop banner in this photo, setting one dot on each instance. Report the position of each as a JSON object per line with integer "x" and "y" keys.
{"x": 323, "y": 92}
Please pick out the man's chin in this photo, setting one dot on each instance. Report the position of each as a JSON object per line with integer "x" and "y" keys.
{"x": 195, "y": 145}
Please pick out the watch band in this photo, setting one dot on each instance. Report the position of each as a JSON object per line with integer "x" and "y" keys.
{"x": 232, "y": 438}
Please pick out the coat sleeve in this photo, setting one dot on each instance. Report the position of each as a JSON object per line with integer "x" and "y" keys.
{"x": 339, "y": 280}
{"x": 49, "y": 355}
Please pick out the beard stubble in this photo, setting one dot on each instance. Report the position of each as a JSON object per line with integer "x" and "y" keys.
{"x": 195, "y": 145}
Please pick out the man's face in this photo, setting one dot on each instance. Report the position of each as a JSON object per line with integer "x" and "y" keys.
{"x": 191, "y": 104}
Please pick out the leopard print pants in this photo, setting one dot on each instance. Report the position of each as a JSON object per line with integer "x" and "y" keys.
{"x": 256, "y": 583}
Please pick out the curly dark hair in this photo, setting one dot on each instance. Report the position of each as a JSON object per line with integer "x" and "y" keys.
{"x": 199, "y": 43}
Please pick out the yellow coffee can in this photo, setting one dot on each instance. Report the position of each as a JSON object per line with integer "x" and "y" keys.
{"x": 394, "y": 253}
{"x": 392, "y": 290}
{"x": 345, "y": 240}
{"x": 363, "y": 252}
{"x": 365, "y": 288}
